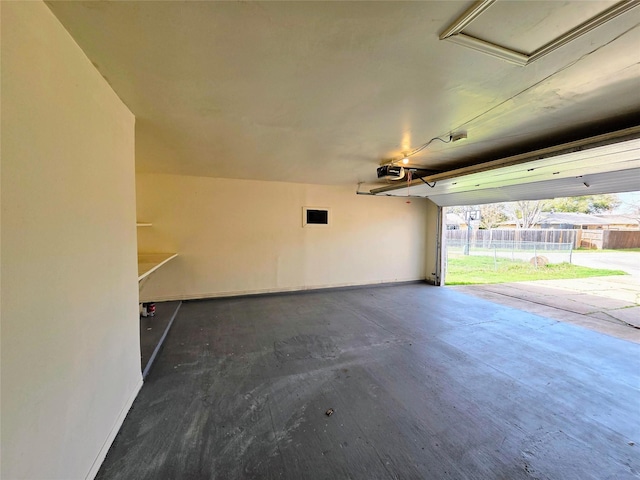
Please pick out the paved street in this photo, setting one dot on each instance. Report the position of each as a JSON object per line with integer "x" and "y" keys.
{"x": 626, "y": 261}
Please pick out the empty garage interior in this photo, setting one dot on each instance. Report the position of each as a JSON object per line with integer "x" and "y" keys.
{"x": 220, "y": 132}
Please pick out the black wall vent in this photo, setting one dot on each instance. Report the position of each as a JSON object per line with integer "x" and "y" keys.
{"x": 315, "y": 216}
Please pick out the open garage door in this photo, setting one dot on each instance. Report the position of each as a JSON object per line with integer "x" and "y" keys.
{"x": 608, "y": 163}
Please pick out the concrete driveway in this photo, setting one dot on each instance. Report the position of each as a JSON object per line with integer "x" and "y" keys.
{"x": 610, "y": 305}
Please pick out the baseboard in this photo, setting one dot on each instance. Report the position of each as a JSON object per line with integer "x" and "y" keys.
{"x": 147, "y": 368}
{"x": 287, "y": 290}
{"x": 97, "y": 463}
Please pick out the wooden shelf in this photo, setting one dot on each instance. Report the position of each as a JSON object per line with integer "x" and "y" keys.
{"x": 150, "y": 262}
{"x": 143, "y": 224}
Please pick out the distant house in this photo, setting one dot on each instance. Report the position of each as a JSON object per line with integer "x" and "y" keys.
{"x": 455, "y": 222}
{"x": 564, "y": 221}
{"x": 582, "y": 221}
{"x": 571, "y": 221}
{"x": 621, "y": 222}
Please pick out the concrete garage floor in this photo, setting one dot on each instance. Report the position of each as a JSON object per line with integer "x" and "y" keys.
{"x": 426, "y": 383}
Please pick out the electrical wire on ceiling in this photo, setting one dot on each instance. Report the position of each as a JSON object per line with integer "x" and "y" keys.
{"x": 425, "y": 145}
{"x": 391, "y": 171}
{"x": 427, "y": 183}
{"x": 452, "y": 137}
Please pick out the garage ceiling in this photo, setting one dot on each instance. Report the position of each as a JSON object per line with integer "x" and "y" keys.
{"x": 325, "y": 92}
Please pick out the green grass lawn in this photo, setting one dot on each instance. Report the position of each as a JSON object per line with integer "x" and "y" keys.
{"x": 471, "y": 269}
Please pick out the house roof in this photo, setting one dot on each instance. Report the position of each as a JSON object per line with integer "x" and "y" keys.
{"x": 454, "y": 219}
{"x": 559, "y": 218}
{"x": 616, "y": 219}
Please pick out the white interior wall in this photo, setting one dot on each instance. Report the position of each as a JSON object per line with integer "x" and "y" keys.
{"x": 70, "y": 342}
{"x": 241, "y": 236}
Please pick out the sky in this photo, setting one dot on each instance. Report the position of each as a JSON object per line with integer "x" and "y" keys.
{"x": 628, "y": 201}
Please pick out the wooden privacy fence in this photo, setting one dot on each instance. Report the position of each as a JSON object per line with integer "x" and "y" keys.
{"x": 544, "y": 238}
{"x": 517, "y": 238}
{"x": 612, "y": 239}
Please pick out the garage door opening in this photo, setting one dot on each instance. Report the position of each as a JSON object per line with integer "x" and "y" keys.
{"x": 577, "y": 258}
{"x": 539, "y": 240}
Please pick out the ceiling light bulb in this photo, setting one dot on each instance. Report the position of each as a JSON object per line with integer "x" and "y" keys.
{"x": 405, "y": 160}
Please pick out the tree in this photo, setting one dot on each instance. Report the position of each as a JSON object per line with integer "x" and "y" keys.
{"x": 603, "y": 203}
{"x": 586, "y": 204}
{"x": 492, "y": 215}
{"x": 525, "y": 213}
